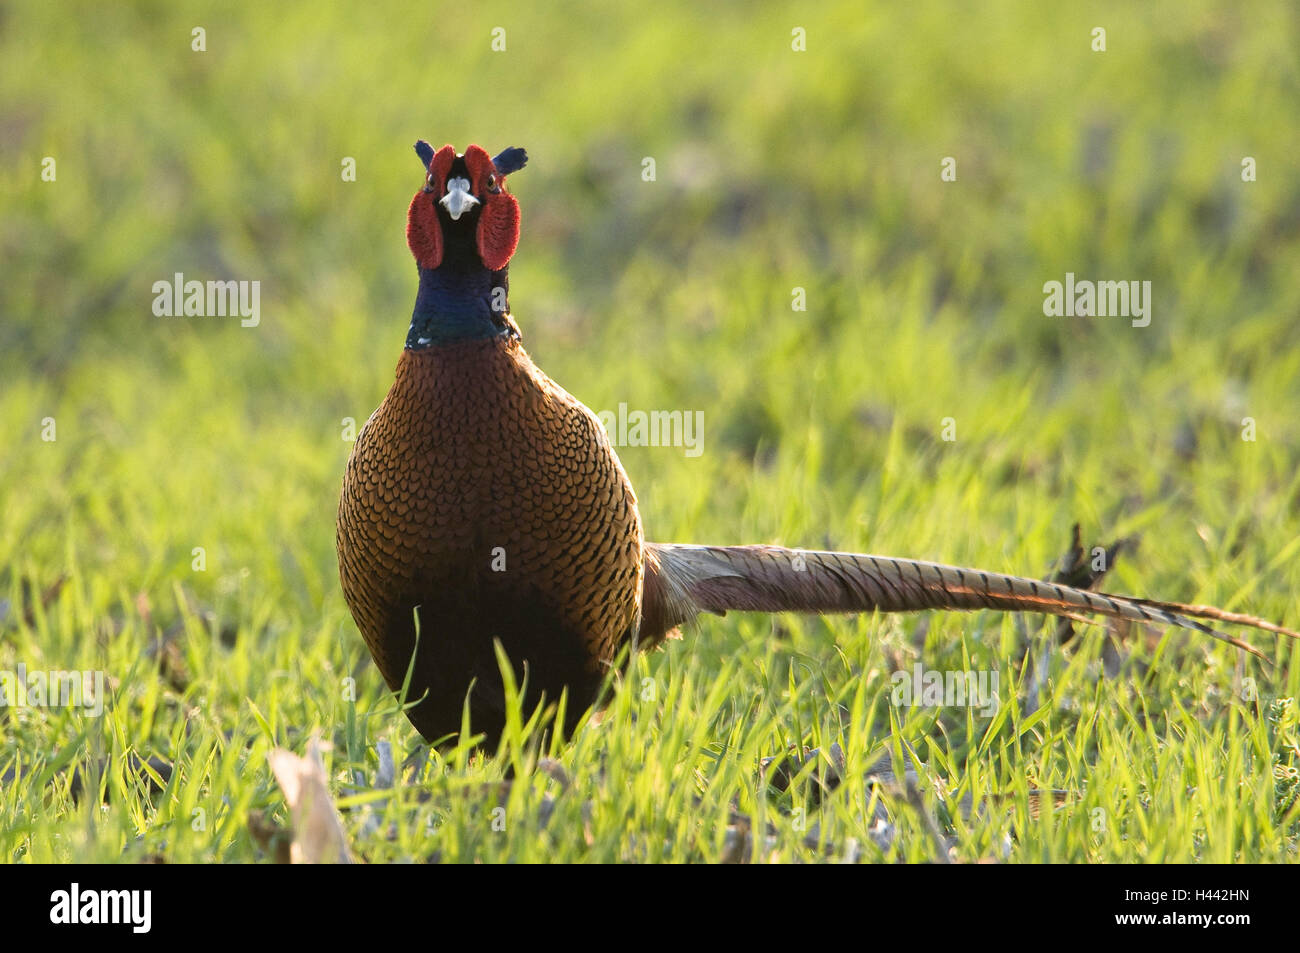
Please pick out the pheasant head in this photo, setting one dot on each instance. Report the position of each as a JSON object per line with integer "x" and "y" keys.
{"x": 464, "y": 209}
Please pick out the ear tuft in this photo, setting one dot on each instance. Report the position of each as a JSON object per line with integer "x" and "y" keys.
{"x": 510, "y": 160}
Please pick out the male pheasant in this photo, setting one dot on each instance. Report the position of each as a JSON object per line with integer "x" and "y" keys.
{"x": 484, "y": 498}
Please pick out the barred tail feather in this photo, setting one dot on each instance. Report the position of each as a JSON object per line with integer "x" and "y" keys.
{"x": 683, "y": 581}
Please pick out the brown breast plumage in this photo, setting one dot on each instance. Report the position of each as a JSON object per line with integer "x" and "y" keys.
{"x": 484, "y": 494}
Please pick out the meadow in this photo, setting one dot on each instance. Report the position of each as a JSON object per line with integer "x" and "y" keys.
{"x": 862, "y": 336}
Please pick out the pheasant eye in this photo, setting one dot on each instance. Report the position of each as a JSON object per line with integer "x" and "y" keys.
{"x": 492, "y": 184}
{"x": 428, "y": 182}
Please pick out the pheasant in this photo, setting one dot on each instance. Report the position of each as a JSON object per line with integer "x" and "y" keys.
{"x": 483, "y": 503}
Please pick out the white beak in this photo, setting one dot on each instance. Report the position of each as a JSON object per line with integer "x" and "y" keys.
{"x": 458, "y": 199}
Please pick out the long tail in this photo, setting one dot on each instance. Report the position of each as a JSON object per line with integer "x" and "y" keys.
{"x": 682, "y": 581}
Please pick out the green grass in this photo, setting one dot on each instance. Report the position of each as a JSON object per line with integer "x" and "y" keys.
{"x": 775, "y": 169}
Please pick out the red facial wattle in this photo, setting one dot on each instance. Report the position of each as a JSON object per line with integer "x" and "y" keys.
{"x": 423, "y": 233}
{"x": 497, "y": 234}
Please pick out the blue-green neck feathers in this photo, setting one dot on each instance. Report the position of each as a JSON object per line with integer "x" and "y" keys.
{"x": 458, "y": 304}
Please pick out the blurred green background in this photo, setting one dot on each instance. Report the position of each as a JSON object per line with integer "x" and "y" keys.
{"x": 775, "y": 169}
